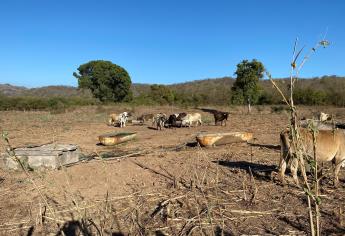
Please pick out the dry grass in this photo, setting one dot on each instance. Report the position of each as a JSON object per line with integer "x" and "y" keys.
{"x": 227, "y": 190}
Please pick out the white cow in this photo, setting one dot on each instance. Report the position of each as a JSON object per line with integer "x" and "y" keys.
{"x": 324, "y": 117}
{"x": 190, "y": 118}
{"x": 157, "y": 118}
{"x": 120, "y": 119}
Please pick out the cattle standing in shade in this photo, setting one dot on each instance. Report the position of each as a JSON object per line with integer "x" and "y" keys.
{"x": 221, "y": 117}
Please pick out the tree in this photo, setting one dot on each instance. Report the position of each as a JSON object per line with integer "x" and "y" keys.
{"x": 107, "y": 81}
{"x": 161, "y": 94}
{"x": 246, "y": 87}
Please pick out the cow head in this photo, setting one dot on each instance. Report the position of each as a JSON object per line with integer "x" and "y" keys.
{"x": 323, "y": 117}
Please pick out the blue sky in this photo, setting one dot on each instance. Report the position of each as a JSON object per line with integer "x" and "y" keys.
{"x": 44, "y": 41}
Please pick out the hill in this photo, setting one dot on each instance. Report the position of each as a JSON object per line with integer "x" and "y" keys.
{"x": 11, "y": 90}
{"x": 217, "y": 91}
{"x": 47, "y": 91}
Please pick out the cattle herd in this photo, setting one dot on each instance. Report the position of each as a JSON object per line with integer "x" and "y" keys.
{"x": 330, "y": 140}
{"x": 162, "y": 120}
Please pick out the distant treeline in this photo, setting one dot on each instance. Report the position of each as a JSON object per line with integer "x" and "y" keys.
{"x": 326, "y": 90}
{"x": 26, "y": 103}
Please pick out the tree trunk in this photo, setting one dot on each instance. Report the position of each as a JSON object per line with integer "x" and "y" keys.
{"x": 249, "y": 107}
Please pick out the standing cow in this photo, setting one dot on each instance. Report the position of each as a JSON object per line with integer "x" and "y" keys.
{"x": 146, "y": 117}
{"x": 330, "y": 146}
{"x": 221, "y": 117}
{"x": 159, "y": 120}
{"x": 189, "y": 119}
{"x": 120, "y": 119}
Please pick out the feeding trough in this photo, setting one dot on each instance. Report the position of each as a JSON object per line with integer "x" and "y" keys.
{"x": 115, "y": 138}
{"x": 215, "y": 139}
{"x": 50, "y": 156}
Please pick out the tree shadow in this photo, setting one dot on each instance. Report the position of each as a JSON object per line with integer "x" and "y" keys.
{"x": 260, "y": 171}
{"x": 212, "y": 111}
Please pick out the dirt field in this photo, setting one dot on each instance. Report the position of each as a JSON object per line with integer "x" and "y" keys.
{"x": 169, "y": 191}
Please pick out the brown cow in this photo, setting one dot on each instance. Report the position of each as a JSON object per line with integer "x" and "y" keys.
{"x": 146, "y": 117}
{"x": 330, "y": 146}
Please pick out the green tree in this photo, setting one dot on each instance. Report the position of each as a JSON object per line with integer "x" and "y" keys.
{"x": 107, "y": 81}
{"x": 246, "y": 87}
{"x": 161, "y": 94}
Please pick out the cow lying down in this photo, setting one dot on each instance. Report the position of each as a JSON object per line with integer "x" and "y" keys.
{"x": 330, "y": 146}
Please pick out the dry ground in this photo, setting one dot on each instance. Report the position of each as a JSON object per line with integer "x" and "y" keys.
{"x": 190, "y": 190}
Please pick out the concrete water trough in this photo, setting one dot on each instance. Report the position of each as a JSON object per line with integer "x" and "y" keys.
{"x": 50, "y": 156}
{"x": 216, "y": 139}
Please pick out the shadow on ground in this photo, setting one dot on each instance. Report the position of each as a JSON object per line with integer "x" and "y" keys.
{"x": 260, "y": 171}
{"x": 269, "y": 146}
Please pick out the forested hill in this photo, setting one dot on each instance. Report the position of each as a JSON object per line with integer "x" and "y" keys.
{"x": 320, "y": 90}
{"x": 311, "y": 91}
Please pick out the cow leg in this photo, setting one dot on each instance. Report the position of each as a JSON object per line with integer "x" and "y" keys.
{"x": 336, "y": 174}
{"x": 282, "y": 169}
{"x": 294, "y": 168}
{"x": 284, "y": 160}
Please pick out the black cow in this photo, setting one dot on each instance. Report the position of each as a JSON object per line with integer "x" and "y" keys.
{"x": 181, "y": 115}
{"x": 220, "y": 116}
{"x": 172, "y": 121}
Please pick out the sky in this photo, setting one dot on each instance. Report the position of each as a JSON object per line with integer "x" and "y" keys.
{"x": 42, "y": 42}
